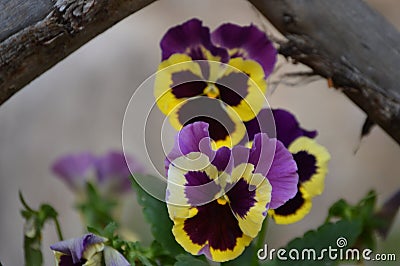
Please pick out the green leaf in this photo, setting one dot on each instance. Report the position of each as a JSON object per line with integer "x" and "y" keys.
{"x": 363, "y": 211}
{"x": 160, "y": 254}
{"x": 109, "y": 230}
{"x": 34, "y": 223}
{"x": 93, "y": 230}
{"x": 156, "y": 213}
{"x": 96, "y": 210}
{"x": 47, "y": 212}
{"x": 340, "y": 209}
{"x": 324, "y": 237}
{"x": 144, "y": 260}
{"x": 189, "y": 260}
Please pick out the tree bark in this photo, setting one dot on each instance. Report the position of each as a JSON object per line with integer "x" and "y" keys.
{"x": 349, "y": 43}
{"x": 344, "y": 41}
{"x": 36, "y": 35}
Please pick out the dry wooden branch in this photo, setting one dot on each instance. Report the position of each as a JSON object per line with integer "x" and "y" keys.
{"x": 36, "y": 35}
{"x": 342, "y": 40}
{"x": 349, "y": 43}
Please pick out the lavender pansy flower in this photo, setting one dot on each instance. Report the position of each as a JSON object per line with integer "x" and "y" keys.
{"x": 87, "y": 250}
{"x": 230, "y": 80}
{"x": 74, "y": 169}
{"x": 112, "y": 170}
{"x": 218, "y": 199}
{"x": 311, "y": 159}
{"x": 109, "y": 171}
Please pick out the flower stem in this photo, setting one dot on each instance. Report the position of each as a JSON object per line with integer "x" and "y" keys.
{"x": 58, "y": 229}
{"x": 21, "y": 198}
{"x": 260, "y": 241}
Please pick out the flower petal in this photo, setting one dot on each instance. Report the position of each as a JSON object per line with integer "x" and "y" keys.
{"x": 225, "y": 126}
{"x": 293, "y": 210}
{"x": 177, "y": 78}
{"x": 193, "y": 39}
{"x": 249, "y": 198}
{"x": 262, "y": 153}
{"x": 312, "y": 162}
{"x": 113, "y": 258}
{"x": 80, "y": 248}
{"x": 63, "y": 260}
{"x": 192, "y": 138}
{"x": 288, "y": 128}
{"x": 273, "y": 160}
{"x": 262, "y": 123}
{"x": 247, "y": 42}
{"x": 112, "y": 169}
{"x": 219, "y": 239}
{"x": 223, "y": 160}
{"x": 189, "y": 188}
{"x": 242, "y": 86}
{"x": 74, "y": 169}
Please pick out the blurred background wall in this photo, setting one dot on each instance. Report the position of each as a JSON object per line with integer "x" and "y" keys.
{"x": 79, "y": 105}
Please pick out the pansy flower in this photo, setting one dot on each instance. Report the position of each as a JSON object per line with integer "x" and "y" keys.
{"x": 228, "y": 67}
{"x": 218, "y": 199}
{"x": 87, "y": 250}
{"x": 311, "y": 159}
{"x": 110, "y": 171}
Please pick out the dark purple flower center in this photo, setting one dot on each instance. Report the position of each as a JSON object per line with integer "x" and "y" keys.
{"x": 306, "y": 164}
{"x": 216, "y": 224}
{"x": 196, "y": 53}
{"x": 210, "y": 111}
{"x": 199, "y": 188}
{"x": 185, "y": 84}
{"x": 66, "y": 260}
{"x": 233, "y": 88}
{"x": 292, "y": 205}
{"x": 241, "y": 198}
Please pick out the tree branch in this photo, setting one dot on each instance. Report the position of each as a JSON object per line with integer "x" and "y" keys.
{"x": 342, "y": 40}
{"x": 36, "y": 36}
{"x": 349, "y": 43}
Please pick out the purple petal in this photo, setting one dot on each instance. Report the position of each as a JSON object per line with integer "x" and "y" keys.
{"x": 274, "y": 161}
{"x": 75, "y": 247}
{"x": 283, "y": 176}
{"x": 240, "y": 154}
{"x": 262, "y": 153}
{"x": 113, "y": 258}
{"x": 223, "y": 160}
{"x": 192, "y": 138}
{"x": 190, "y": 38}
{"x": 74, "y": 168}
{"x": 248, "y": 42}
{"x": 113, "y": 168}
{"x": 288, "y": 128}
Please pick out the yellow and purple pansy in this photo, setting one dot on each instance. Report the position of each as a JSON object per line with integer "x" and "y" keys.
{"x": 86, "y": 250}
{"x": 225, "y": 71}
{"x": 218, "y": 199}
{"x": 311, "y": 159}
